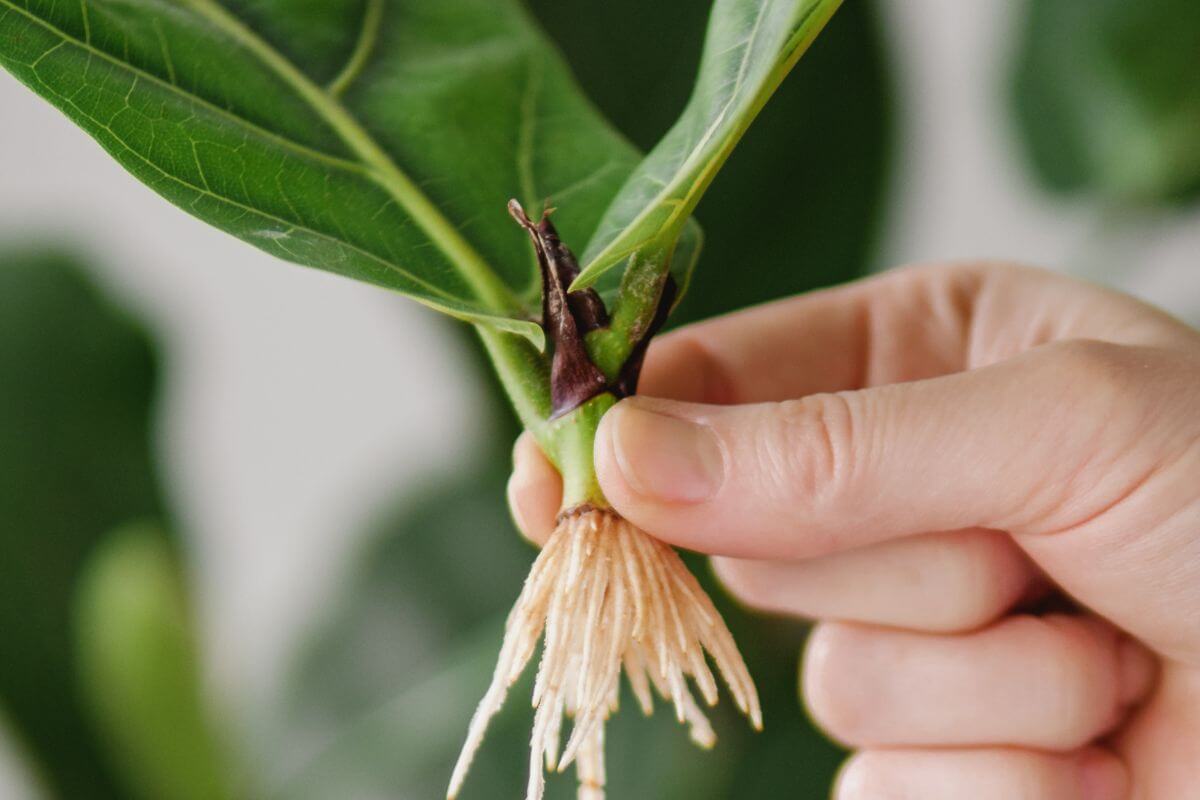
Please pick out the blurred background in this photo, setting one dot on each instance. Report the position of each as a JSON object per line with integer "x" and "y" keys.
{"x": 236, "y": 561}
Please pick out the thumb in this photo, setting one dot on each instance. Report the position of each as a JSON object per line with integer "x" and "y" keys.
{"x": 1085, "y": 451}
{"x": 1033, "y": 444}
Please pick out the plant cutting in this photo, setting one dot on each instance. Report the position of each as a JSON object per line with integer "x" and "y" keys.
{"x": 420, "y": 145}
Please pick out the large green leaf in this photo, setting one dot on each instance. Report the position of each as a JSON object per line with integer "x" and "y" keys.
{"x": 76, "y": 385}
{"x": 139, "y": 669}
{"x": 750, "y": 47}
{"x": 1107, "y": 97}
{"x": 378, "y": 139}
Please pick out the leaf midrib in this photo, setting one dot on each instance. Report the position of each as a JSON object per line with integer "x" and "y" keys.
{"x": 373, "y": 160}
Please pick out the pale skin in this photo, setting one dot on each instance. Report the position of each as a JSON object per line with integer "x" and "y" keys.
{"x": 924, "y": 463}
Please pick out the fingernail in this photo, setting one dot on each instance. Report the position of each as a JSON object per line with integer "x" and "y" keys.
{"x": 1101, "y": 776}
{"x": 665, "y": 457}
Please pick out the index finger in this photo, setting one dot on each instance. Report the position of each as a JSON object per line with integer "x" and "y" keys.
{"x": 904, "y": 325}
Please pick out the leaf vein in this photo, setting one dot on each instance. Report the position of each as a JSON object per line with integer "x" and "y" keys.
{"x": 368, "y": 35}
{"x": 166, "y": 53}
{"x": 94, "y": 52}
{"x": 484, "y": 283}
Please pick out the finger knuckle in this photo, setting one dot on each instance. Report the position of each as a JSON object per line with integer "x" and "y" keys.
{"x": 964, "y": 275}
{"x": 815, "y": 457}
{"x": 1096, "y": 374}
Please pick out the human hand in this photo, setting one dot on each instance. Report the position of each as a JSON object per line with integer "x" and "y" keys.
{"x": 914, "y": 460}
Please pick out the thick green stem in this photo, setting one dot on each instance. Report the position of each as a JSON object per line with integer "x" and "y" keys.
{"x": 525, "y": 374}
{"x": 568, "y": 440}
{"x": 572, "y": 438}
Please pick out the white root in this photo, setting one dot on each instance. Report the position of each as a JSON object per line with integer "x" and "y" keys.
{"x": 606, "y": 595}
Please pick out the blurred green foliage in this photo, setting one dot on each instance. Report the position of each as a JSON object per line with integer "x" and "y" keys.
{"x": 1107, "y": 98}
{"x": 77, "y": 378}
{"x": 140, "y": 669}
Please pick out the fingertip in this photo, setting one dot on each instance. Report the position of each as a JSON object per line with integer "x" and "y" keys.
{"x": 1137, "y": 670}
{"x": 602, "y": 452}
{"x": 660, "y": 452}
{"x": 681, "y": 366}
{"x": 534, "y": 491}
{"x": 1102, "y": 776}
{"x": 853, "y": 779}
{"x": 659, "y": 466}
{"x": 610, "y": 472}
{"x": 526, "y": 452}
{"x": 667, "y": 467}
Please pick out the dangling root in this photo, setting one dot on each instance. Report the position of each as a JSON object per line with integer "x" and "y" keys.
{"x": 607, "y": 595}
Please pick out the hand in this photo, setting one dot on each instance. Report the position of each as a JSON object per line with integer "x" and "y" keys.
{"x": 912, "y": 460}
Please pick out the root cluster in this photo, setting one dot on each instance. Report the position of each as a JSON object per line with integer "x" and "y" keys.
{"x": 607, "y": 595}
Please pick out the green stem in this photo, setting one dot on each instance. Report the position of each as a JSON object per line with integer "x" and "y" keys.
{"x": 572, "y": 439}
{"x": 634, "y": 309}
{"x": 567, "y": 441}
{"x": 525, "y": 375}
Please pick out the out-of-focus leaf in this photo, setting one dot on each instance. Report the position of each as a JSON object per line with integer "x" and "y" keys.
{"x": 443, "y": 562}
{"x": 1107, "y": 99}
{"x": 750, "y": 47}
{"x": 404, "y": 746}
{"x": 76, "y": 381}
{"x": 386, "y": 691}
{"x": 138, "y": 665}
{"x": 376, "y": 139}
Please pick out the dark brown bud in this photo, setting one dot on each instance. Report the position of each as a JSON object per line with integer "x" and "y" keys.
{"x": 566, "y": 317}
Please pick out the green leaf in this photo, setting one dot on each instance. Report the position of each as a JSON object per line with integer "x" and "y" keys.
{"x": 750, "y": 47}
{"x": 1106, "y": 97}
{"x": 378, "y": 140}
{"x": 77, "y": 379}
{"x": 139, "y": 669}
